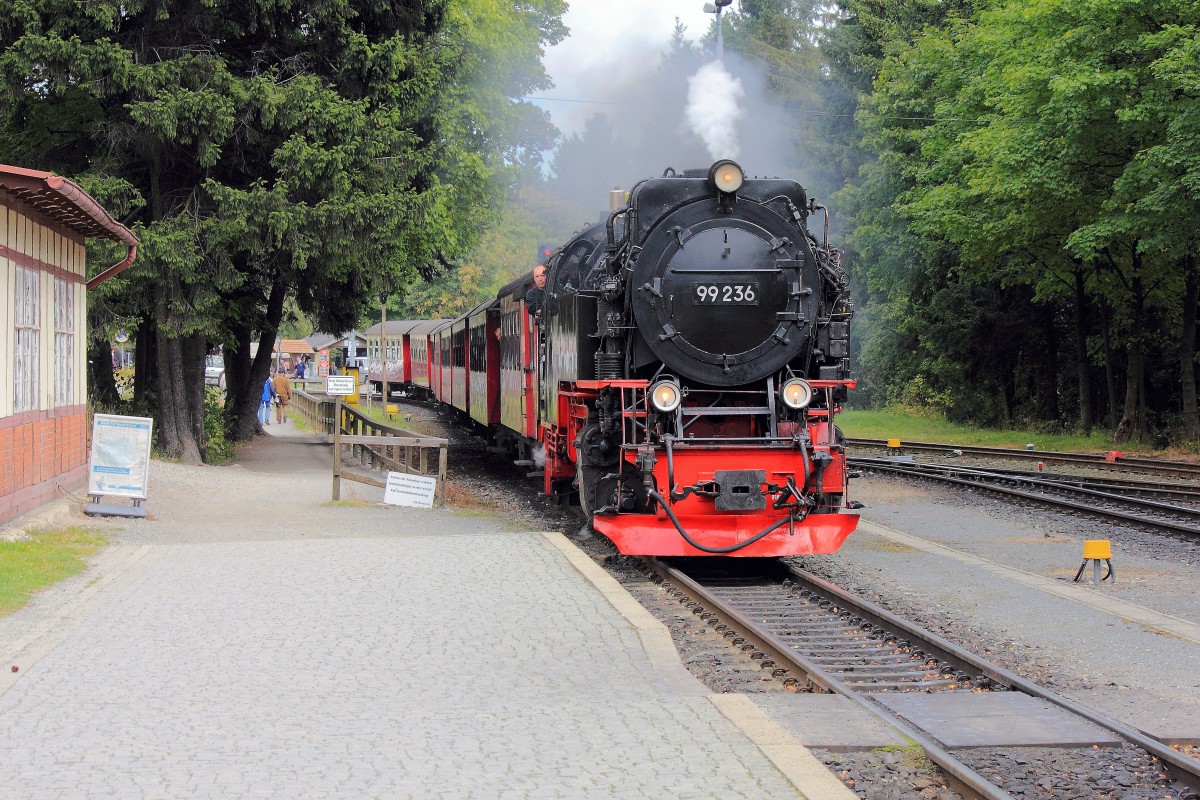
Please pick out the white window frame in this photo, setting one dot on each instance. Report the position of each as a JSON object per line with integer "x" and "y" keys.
{"x": 27, "y": 339}
{"x": 64, "y": 342}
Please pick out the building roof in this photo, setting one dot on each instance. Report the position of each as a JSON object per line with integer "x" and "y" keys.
{"x": 61, "y": 200}
{"x": 319, "y": 341}
{"x": 295, "y": 347}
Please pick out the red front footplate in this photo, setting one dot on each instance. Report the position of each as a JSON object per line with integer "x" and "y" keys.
{"x": 649, "y": 535}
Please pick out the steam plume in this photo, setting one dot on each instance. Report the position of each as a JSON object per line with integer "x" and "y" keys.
{"x": 713, "y": 108}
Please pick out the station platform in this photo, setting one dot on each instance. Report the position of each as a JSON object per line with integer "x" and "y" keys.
{"x": 252, "y": 639}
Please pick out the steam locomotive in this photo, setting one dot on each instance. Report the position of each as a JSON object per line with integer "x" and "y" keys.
{"x": 682, "y": 373}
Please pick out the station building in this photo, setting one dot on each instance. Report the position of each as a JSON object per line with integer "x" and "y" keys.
{"x": 45, "y": 221}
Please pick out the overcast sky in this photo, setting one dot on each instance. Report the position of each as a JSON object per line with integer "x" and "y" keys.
{"x": 610, "y": 41}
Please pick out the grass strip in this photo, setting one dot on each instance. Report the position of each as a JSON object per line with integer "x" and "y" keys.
{"x": 863, "y": 424}
{"x": 29, "y": 565}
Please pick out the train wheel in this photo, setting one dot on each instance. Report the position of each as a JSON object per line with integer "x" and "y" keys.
{"x": 585, "y": 484}
{"x": 598, "y": 457}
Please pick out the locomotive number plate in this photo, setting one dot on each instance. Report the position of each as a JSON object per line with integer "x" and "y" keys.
{"x": 725, "y": 294}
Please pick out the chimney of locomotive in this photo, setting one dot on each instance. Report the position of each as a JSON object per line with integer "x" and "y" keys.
{"x": 616, "y": 199}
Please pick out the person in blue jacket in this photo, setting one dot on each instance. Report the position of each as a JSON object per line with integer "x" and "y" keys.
{"x": 264, "y": 406}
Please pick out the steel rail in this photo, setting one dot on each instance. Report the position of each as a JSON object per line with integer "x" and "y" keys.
{"x": 1181, "y": 768}
{"x": 1173, "y": 527}
{"x": 1184, "y": 468}
{"x": 1175, "y": 491}
{"x": 962, "y": 777}
{"x": 937, "y": 470}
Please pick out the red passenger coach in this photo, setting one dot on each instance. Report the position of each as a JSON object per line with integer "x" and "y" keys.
{"x": 518, "y": 357}
{"x": 459, "y": 398}
{"x": 387, "y": 346}
{"x": 483, "y": 362}
{"x": 421, "y": 353}
{"x": 443, "y": 387}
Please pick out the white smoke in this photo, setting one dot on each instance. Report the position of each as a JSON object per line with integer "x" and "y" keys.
{"x": 714, "y": 107}
{"x": 539, "y": 456}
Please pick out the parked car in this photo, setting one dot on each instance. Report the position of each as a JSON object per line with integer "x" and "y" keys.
{"x": 214, "y": 372}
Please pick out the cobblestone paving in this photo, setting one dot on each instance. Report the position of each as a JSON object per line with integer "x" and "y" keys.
{"x": 475, "y": 664}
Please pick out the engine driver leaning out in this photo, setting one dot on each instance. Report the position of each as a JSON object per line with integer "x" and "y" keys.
{"x": 536, "y": 296}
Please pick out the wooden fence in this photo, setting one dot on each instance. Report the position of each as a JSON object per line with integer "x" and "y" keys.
{"x": 375, "y": 445}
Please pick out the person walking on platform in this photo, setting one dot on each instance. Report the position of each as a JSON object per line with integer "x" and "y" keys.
{"x": 283, "y": 395}
{"x": 264, "y": 405}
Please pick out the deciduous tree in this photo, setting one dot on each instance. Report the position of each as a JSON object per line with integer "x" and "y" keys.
{"x": 270, "y": 150}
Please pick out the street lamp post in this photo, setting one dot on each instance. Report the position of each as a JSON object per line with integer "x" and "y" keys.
{"x": 715, "y": 8}
{"x": 383, "y": 353}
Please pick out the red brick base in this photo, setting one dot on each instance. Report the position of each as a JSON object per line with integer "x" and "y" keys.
{"x": 41, "y": 453}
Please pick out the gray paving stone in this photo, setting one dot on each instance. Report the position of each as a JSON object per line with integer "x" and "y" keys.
{"x": 368, "y": 666}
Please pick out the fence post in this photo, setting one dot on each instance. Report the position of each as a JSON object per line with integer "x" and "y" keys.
{"x": 337, "y": 449}
{"x": 442, "y": 453}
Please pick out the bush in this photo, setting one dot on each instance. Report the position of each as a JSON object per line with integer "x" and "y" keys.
{"x": 218, "y": 449}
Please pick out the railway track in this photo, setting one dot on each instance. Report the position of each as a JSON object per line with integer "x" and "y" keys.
{"x": 1158, "y": 490}
{"x": 823, "y": 639}
{"x": 1181, "y": 469}
{"x": 1105, "y": 502}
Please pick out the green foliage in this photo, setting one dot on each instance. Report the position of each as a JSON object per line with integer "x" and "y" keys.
{"x": 218, "y": 445}
{"x": 505, "y": 252}
{"x": 264, "y": 151}
{"x": 1033, "y": 156}
{"x": 44, "y": 558}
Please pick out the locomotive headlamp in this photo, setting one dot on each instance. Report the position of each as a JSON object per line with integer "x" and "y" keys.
{"x": 726, "y": 176}
{"x": 666, "y": 396}
{"x": 796, "y": 393}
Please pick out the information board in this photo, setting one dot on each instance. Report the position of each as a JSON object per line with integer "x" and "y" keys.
{"x": 120, "y": 460}
{"x": 415, "y": 491}
{"x": 339, "y": 385}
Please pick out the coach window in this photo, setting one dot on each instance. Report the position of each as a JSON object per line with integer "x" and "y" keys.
{"x": 508, "y": 341}
{"x": 478, "y": 348}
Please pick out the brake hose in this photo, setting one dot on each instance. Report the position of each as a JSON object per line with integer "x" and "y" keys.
{"x": 716, "y": 550}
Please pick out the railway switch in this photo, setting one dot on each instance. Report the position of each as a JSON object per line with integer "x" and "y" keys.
{"x": 1095, "y": 551}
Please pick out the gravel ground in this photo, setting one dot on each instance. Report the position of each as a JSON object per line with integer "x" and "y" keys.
{"x": 1154, "y": 571}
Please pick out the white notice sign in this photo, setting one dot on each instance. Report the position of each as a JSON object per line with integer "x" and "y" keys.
{"x": 339, "y": 385}
{"x": 409, "y": 490}
{"x": 120, "y": 462}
